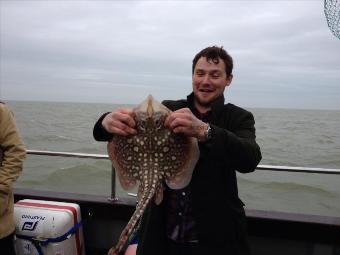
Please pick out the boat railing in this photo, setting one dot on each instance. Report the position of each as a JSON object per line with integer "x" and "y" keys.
{"x": 295, "y": 169}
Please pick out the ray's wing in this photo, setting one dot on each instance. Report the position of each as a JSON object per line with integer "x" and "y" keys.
{"x": 118, "y": 150}
{"x": 182, "y": 157}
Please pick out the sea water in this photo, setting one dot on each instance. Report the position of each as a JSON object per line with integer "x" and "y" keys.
{"x": 289, "y": 137}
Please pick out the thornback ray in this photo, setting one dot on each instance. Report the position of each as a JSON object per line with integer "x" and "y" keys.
{"x": 152, "y": 157}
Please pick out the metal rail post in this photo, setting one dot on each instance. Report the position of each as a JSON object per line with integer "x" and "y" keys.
{"x": 113, "y": 185}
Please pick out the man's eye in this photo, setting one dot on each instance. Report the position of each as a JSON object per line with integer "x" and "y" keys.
{"x": 215, "y": 75}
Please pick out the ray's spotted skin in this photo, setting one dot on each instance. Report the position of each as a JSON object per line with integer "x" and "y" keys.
{"x": 151, "y": 157}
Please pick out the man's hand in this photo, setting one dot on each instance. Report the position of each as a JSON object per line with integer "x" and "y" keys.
{"x": 184, "y": 121}
{"x": 120, "y": 122}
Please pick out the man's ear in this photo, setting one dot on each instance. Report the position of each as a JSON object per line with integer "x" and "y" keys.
{"x": 229, "y": 80}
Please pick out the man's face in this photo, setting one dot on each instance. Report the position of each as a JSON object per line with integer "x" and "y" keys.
{"x": 209, "y": 81}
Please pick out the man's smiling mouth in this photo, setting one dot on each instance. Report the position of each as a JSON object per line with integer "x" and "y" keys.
{"x": 206, "y": 90}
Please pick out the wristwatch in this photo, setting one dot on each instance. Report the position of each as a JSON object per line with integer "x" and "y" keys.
{"x": 208, "y": 133}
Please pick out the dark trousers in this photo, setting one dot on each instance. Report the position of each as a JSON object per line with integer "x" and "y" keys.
{"x": 7, "y": 245}
{"x": 181, "y": 248}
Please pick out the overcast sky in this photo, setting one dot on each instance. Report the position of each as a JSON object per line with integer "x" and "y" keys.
{"x": 121, "y": 51}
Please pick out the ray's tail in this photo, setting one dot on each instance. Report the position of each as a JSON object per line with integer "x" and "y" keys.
{"x": 142, "y": 203}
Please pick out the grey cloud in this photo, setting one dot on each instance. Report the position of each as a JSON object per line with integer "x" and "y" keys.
{"x": 103, "y": 50}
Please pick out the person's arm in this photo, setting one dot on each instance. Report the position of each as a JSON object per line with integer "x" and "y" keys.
{"x": 118, "y": 122}
{"x": 238, "y": 144}
{"x": 99, "y": 132}
{"x": 233, "y": 143}
{"x": 13, "y": 153}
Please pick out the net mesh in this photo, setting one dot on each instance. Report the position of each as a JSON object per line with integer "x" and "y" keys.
{"x": 332, "y": 12}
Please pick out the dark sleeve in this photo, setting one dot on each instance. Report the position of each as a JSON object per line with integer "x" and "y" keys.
{"x": 99, "y": 133}
{"x": 175, "y": 105}
{"x": 237, "y": 144}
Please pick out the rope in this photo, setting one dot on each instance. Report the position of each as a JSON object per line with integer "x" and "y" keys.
{"x": 40, "y": 242}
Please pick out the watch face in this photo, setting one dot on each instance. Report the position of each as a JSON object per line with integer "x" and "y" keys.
{"x": 209, "y": 133}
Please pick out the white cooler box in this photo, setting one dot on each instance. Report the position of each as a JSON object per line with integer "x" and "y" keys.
{"x": 47, "y": 220}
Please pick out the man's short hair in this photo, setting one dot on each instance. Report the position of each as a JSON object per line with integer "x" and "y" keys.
{"x": 215, "y": 53}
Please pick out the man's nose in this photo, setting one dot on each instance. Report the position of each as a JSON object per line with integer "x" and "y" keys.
{"x": 206, "y": 79}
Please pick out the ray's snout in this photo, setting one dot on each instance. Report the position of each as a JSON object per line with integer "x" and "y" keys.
{"x": 150, "y": 107}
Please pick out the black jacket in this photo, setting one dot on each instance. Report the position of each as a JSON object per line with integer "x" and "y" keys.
{"x": 218, "y": 211}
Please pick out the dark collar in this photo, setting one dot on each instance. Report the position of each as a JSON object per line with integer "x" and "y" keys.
{"x": 216, "y": 105}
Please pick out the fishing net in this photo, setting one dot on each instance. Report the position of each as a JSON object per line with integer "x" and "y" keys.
{"x": 332, "y": 12}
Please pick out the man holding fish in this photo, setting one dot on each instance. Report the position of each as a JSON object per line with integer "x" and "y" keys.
{"x": 207, "y": 215}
